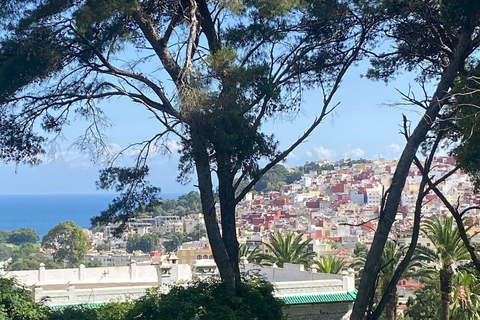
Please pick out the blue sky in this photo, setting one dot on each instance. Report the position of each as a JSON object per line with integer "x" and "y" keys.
{"x": 364, "y": 125}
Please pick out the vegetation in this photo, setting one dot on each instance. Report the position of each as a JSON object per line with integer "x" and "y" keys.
{"x": 5, "y": 252}
{"x": 103, "y": 246}
{"x": 109, "y": 311}
{"x": 16, "y": 304}
{"x": 275, "y": 178}
{"x": 391, "y": 257}
{"x": 32, "y": 262}
{"x": 60, "y": 61}
{"x": 23, "y": 235}
{"x": 146, "y": 243}
{"x": 172, "y": 241}
{"x": 207, "y": 300}
{"x": 417, "y": 46}
{"x": 68, "y": 241}
{"x": 4, "y": 234}
{"x": 427, "y": 300}
{"x": 329, "y": 264}
{"x": 19, "y": 236}
{"x": 448, "y": 250}
{"x": 253, "y": 256}
{"x": 464, "y": 304}
{"x": 26, "y": 257}
{"x": 185, "y": 205}
{"x": 314, "y": 166}
{"x": 200, "y": 300}
{"x": 287, "y": 248}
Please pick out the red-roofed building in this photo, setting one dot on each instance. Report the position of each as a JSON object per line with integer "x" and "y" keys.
{"x": 338, "y": 188}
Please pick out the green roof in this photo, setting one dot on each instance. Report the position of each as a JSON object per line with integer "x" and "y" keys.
{"x": 305, "y": 299}
{"x": 321, "y": 298}
{"x": 78, "y": 306}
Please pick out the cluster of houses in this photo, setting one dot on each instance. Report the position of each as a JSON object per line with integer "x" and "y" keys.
{"x": 336, "y": 209}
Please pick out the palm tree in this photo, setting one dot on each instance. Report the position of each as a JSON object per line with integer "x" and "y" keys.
{"x": 449, "y": 249}
{"x": 466, "y": 297}
{"x": 391, "y": 256}
{"x": 287, "y": 248}
{"x": 329, "y": 264}
{"x": 251, "y": 255}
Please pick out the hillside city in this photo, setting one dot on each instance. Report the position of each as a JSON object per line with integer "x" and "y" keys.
{"x": 336, "y": 208}
{"x": 333, "y": 206}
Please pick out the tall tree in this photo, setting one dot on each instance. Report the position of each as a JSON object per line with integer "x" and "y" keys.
{"x": 68, "y": 241}
{"x": 210, "y": 73}
{"x": 436, "y": 38}
{"x": 465, "y": 297}
{"x": 448, "y": 250}
{"x": 391, "y": 257}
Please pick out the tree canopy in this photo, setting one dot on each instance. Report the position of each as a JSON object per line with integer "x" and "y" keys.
{"x": 185, "y": 205}
{"x": 68, "y": 241}
{"x": 146, "y": 243}
{"x": 23, "y": 235}
{"x": 210, "y": 73}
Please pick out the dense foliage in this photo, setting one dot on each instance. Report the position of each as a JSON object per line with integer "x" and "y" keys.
{"x": 68, "y": 242}
{"x": 210, "y": 74}
{"x": 200, "y": 300}
{"x": 288, "y": 247}
{"x": 16, "y": 304}
{"x": 207, "y": 300}
{"x": 23, "y": 235}
{"x": 277, "y": 177}
{"x": 19, "y": 236}
{"x": 146, "y": 243}
{"x": 185, "y": 205}
{"x": 4, "y": 234}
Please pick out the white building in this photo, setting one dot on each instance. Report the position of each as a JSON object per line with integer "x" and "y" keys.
{"x": 307, "y": 295}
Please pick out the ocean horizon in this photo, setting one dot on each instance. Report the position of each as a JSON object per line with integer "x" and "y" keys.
{"x": 42, "y": 212}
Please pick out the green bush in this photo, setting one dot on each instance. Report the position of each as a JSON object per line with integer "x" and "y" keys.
{"x": 109, "y": 311}
{"x": 206, "y": 300}
{"x": 16, "y": 304}
{"x": 201, "y": 300}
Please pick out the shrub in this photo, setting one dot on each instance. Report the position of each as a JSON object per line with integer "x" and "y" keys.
{"x": 207, "y": 300}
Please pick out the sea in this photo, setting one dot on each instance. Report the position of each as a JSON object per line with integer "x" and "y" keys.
{"x": 42, "y": 212}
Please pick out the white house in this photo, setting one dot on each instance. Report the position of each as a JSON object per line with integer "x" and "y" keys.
{"x": 307, "y": 294}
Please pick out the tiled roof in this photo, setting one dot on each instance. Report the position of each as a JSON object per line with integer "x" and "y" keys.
{"x": 321, "y": 298}
{"x": 78, "y": 306}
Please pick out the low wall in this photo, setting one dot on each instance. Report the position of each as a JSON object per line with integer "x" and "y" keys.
{"x": 132, "y": 273}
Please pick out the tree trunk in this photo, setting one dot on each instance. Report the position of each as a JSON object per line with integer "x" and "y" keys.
{"x": 220, "y": 254}
{"x": 227, "y": 212}
{"x": 391, "y": 306}
{"x": 446, "y": 275}
{"x": 366, "y": 290}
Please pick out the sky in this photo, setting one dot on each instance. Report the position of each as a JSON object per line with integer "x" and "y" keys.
{"x": 365, "y": 124}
